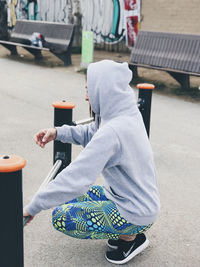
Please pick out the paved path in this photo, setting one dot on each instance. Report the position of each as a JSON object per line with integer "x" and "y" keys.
{"x": 26, "y": 93}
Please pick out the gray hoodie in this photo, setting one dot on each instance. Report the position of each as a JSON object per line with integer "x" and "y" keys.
{"x": 118, "y": 148}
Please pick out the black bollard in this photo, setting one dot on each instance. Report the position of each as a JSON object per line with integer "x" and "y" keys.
{"x": 11, "y": 207}
{"x": 144, "y": 103}
{"x": 62, "y": 115}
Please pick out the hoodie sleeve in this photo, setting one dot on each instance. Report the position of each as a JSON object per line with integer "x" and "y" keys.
{"x": 80, "y": 175}
{"x": 79, "y": 135}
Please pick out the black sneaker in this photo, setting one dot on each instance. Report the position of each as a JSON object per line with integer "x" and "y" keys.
{"x": 127, "y": 249}
{"x": 114, "y": 244}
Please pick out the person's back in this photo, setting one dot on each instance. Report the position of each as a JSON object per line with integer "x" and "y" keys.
{"x": 133, "y": 179}
{"x": 131, "y": 182}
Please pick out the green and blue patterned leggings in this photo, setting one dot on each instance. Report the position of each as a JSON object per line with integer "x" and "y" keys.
{"x": 93, "y": 216}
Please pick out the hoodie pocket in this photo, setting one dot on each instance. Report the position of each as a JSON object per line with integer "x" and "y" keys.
{"x": 115, "y": 195}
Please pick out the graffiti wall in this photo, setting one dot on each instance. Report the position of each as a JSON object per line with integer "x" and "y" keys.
{"x": 59, "y": 10}
{"x": 47, "y": 10}
{"x": 23, "y": 9}
{"x": 132, "y": 9}
{"x": 112, "y": 21}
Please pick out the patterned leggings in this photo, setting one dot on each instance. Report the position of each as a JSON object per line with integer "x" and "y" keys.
{"x": 93, "y": 216}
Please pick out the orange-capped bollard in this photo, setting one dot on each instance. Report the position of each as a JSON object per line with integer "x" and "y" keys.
{"x": 144, "y": 103}
{"x": 63, "y": 105}
{"x": 11, "y": 206}
{"x": 62, "y": 115}
{"x": 147, "y": 86}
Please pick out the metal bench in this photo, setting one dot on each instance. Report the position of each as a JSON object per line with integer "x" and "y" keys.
{"x": 58, "y": 38}
{"x": 178, "y": 54}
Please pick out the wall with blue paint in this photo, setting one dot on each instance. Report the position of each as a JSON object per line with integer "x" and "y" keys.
{"x": 112, "y": 21}
{"x": 23, "y": 9}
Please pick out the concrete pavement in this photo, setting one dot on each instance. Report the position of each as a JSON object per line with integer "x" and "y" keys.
{"x": 26, "y": 93}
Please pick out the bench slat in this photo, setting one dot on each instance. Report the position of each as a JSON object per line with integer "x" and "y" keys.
{"x": 61, "y": 32}
{"x": 168, "y": 70}
{"x": 23, "y": 45}
{"x": 179, "y": 52}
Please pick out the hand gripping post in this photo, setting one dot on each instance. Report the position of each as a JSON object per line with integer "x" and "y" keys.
{"x": 144, "y": 103}
{"x": 11, "y": 207}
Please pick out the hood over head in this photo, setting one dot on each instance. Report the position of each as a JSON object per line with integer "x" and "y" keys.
{"x": 108, "y": 89}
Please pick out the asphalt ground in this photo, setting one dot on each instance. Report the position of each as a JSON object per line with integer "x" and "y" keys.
{"x": 27, "y": 91}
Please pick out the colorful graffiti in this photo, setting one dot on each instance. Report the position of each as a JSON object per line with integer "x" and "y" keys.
{"x": 105, "y": 18}
{"x": 132, "y": 8}
{"x": 23, "y": 9}
{"x": 12, "y": 12}
{"x": 111, "y": 20}
{"x": 29, "y": 9}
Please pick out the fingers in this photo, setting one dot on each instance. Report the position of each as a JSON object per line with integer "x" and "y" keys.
{"x": 30, "y": 219}
{"x": 27, "y": 220}
{"x": 39, "y": 138}
{"x": 25, "y": 213}
{"x": 45, "y": 136}
{"x": 28, "y": 216}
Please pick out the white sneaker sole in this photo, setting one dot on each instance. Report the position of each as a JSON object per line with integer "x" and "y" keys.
{"x": 132, "y": 255}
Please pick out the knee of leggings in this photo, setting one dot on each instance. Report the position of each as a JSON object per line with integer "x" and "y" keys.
{"x": 57, "y": 218}
{"x": 60, "y": 222}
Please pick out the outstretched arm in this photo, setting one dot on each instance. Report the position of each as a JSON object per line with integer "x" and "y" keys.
{"x": 80, "y": 175}
{"x": 79, "y": 135}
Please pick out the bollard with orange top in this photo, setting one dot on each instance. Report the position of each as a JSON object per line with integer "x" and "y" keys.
{"x": 62, "y": 115}
{"x": 11, "y": 208}
{"x": 144, "y": 103}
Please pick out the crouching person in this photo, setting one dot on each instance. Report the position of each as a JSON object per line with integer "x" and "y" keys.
{"x": 116, "y": 145}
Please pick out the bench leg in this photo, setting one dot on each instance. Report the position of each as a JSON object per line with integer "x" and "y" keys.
{"x": 183, "y": 79}
{"x": 134, "y": 70}
{"x": 35, "y": 52}
{"x": 11, "y": 48}
{"x": 65, "y": 57}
